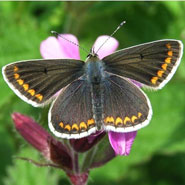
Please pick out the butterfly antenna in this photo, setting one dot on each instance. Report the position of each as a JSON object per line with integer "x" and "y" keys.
{"x": 121, "y": 24}
{"x": 59, "y": 35}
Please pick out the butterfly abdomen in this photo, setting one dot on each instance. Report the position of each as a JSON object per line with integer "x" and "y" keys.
{"x": 95, "y": 76}
{"x": 97, "y": 104}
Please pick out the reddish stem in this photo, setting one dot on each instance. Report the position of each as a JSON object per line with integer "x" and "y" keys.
{"x": 78, "y": 179}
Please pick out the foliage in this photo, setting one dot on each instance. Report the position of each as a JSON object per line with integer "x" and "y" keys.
{"x": 26, "y": 170}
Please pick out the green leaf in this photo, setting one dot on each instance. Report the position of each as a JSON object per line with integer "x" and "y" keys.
{"x": 25, "y": 173}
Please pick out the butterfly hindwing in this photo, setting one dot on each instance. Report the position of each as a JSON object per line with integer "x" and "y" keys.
{"x": 36, "y": 81}
{"x": 153, "y": 64}
{"x": 71, "y": 114}
{"x": 126, "y": 107}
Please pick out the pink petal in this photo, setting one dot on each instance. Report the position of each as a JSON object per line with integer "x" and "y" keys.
{"x": 109, "y": 47}
{"x": 68, "y": 49}
{"x": 122, "y": 142}
{"x": 60, "y": 48}
{"x": 50, "y": 48}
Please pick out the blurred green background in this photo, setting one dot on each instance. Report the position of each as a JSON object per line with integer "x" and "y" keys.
{"x": 158, "y": 153}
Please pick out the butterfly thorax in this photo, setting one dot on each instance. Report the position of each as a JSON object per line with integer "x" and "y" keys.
{"x": 94, "y": 70}
{"x": 95, "y": 76}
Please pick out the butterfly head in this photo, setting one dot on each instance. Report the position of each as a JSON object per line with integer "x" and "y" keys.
{"x": 92, "y": 56}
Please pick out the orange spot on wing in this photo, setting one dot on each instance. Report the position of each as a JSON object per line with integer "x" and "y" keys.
{"x": 15, "y": 69}
{"x": 109, "y": 119}
{"x": 133, "y": 118}
{"x": 39, "y": 96}
{"x": 90, "y": 122}
{"x": 16, "y": 75}
{"x": 170, "y": 53}
{"x": 168, "y": 46}
{"x": 26, "y": 87}
{"x": 154, "y": 79}
{"x": 168, "y": 60}
{"x": 139, "y": 114}
{"x": 20, "y": 82}
{"x": 127, "y": 119}
{"x": 61, "y": 124}
{"x": 75, "y": 127}
{"x": 164, "y": 66}
{"x": 118, "y": 121}
{"x": 32, "y": 92}
{"x": 160, "y": 73}
{"x": 83, "y": 126}
{"x": 67, "y": 127}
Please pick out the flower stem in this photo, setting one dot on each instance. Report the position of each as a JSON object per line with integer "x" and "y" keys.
{"x": 76, "y": 164}
{"x": 88, "y": 158}
{"x": 78, "y": 179}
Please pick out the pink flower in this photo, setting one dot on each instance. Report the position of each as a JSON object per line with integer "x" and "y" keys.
{"x": 122, "y": 142}
{"x": 59, "y": 48}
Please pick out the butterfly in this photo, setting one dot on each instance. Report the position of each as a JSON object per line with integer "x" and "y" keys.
{"x": 96, "y": 94}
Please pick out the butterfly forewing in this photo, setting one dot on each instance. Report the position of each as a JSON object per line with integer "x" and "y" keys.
{"x": 71, "y": 114}
{"x": 126, "y": 107}
{"x": 152, "y": 64}
{"x": 37, "y": 81}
